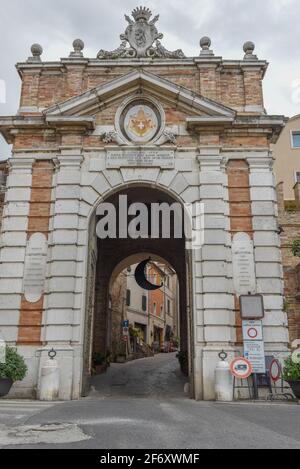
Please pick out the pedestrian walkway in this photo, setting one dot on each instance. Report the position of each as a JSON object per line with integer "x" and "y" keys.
{"x": 156, "y": 377}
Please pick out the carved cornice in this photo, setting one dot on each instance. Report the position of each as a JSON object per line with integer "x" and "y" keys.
{"x": 10, "y": 126}
{"x": 263, "y": 124}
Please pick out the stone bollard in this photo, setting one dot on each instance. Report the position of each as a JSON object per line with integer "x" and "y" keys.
{"x": 223, "y": 380}
{"x": 49, "y": 385}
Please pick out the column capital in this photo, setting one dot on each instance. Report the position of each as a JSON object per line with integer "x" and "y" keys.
{"x": 263, "y": 162}
{"x": 21, "y": 164}
{"x": 210, "y": 158}
{"x": 70, "y": 158}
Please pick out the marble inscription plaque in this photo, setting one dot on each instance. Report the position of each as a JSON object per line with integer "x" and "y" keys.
{"x": 35, "y": 268}
{"x": 140, "y": 159}
{"x": 244, "y": 278}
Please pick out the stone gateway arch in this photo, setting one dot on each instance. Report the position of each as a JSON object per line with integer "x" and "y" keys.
{"x": 160, "y": 127}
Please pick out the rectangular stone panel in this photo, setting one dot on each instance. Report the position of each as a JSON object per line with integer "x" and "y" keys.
{"x": 140, "y": 158}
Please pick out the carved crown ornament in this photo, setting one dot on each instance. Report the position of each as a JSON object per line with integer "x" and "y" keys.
{"x": 141, "y": 39}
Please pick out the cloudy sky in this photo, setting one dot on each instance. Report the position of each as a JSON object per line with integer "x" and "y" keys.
{"x": 272, "y": 24}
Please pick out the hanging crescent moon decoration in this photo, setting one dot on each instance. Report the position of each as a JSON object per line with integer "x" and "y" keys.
{"x": 141, "y": 280}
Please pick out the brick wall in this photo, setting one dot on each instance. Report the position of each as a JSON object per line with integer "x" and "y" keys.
{"x": 229, "y": 85}
{"x": 31, "y": 314}
{"x": 118, "y": 297}
{"x": 240, "y": 216}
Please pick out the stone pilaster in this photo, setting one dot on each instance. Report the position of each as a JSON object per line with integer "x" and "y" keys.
{"x": 214, "y": 300}
{"x": 13, "y": 244}
{"x": 268, "y": 260}
{"x": 62, "y": 320}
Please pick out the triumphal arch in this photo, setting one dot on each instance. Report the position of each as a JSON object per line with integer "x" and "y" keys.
{"x": 155, "y": 126}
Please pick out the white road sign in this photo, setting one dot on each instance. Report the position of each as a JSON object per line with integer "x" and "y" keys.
{"x": 253, "y": 330}
{"x": 254, "y": 351}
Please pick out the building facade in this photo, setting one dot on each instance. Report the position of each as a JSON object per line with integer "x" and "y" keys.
{"x": 154, "y": 125}
{"x": 137, "y": 306}
{"x": 287, "y": 158}
{"x": 154, "y": 313}
{"x": 289, "y": 220}
{"x": 3, "y": 180}
{"x": 286, "y": 154}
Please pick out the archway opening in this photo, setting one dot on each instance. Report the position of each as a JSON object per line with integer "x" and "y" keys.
{"x": 124, "y": 321}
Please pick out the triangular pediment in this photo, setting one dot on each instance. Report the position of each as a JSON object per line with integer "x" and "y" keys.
{"x": 90, "y": 102}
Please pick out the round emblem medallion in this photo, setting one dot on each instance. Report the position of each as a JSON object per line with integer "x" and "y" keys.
{"x": 140, "y": 121}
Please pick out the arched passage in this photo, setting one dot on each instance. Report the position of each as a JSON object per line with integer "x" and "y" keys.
{"x": 110, "y": 256}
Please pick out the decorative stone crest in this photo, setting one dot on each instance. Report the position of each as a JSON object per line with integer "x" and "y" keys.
{"x": 112, "y": 137}
{"x": 141, "y": 34}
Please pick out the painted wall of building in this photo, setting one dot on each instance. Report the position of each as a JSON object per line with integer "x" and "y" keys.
{"x": 135, "y": 312}
{"x": 155, "y": 315}
{"x": 287, "y": 158}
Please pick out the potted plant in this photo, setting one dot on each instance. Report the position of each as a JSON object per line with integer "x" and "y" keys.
{"x": 176, "y": 342}
{"x": 296, "y": 247}
{"x": 121, "y": 353}
{"x": 291, "y": 373}
{"x": 183, "y": 359}
{"x": 14, "y": 369}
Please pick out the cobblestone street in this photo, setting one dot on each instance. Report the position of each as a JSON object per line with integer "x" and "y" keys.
{"x": 157, "y": 377}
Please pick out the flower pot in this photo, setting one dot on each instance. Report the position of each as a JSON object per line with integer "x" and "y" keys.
{"x": 295, "y": 385}
{"x": 121, "y": 359}
{"x": 5, "y": 386}
{"x": 100, "y": 369}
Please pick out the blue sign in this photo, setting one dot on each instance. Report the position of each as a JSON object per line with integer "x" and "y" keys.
{"x": 126, "y": 324}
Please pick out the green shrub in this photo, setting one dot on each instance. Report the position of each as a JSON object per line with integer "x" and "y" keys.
{"x": 296, "y": 247}
{"x": 183, "y": 359}
{"x": 99, "y": 359}
{"x": 291, "y": 370}
{"x": 15, "y": 367}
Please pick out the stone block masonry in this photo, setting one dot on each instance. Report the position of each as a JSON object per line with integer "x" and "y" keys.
{"x": 211, "y": 117}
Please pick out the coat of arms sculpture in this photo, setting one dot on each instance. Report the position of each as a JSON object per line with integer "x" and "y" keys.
{"x": 141, "y": 34}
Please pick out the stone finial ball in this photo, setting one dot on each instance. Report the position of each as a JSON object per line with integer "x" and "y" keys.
{"x": 205, "y": 42}
{"x": 78, "y": 44}
{"x": 36, "y": 50}
{"x": 249, "y": 47}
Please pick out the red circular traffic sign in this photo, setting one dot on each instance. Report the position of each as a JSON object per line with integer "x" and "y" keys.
{"x": 275, "y": 370}
{"x": 252, "y": 333}
{"x": 241, "y": 368}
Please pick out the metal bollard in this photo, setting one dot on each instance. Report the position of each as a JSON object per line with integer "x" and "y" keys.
{"x": 49, "y": 385}
{"x": 223, "y": 380}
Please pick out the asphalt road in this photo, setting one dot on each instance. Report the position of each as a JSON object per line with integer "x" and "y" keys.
{"x": 133, "y": 407}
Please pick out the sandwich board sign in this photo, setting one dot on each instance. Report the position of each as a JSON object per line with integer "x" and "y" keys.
{"x": 241, "y": 368}
{"x": 275, "y": 370}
